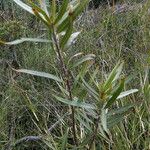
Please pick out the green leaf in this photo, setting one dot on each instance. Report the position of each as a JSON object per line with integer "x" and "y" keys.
{"x": 62, "y": 10}
{"x": 72, "y": 38}
{"x": 74, "y": 56}
{"x": 18, "y": 41}
{"x": 126, "y": 93}
{"x": 83, "y": 59}
{"x": 76, "y": 9}
{"x": 86, "y": 118}
{"x": 44, "y": 6}
{"x": 114, "y": 75}
{"x": 24, "y": 6}
{"x": 104, "y": 120}
{"x": 43, "y": 19}
{"x": 63, "y": 26}
{"x": 115, "y": 94}
{"x": 76, "y": 103}
{"x": 39, "y": 74}
{"x": 53, "y": 11}
{"x": 68, "y": 33}
{"x": 40, "y": 11}
{"x": 73, "y": 4}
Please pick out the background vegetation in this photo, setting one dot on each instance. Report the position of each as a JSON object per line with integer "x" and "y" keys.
{"x": 112, "y": 34}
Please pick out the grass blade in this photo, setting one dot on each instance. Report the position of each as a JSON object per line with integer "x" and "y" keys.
{"x": 64, "y": 140}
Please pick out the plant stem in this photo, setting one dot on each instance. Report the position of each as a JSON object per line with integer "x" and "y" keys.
{"x": 66, "y": 78}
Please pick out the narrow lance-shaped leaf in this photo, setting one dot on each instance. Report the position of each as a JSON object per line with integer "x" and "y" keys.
{"x": 76, "y": 9}
{"x": 38, "y": 15}
{"x": 118, "y": 72}
{"x": 113, "y": 76}
{"x": 24, "y": 6}
{"x": 62, "y": 10}
{"x": 75, "y": 103}
{"x": 19, "y": 41}
{"x": 104, "y": 120}
{"x": 86, "y": 139}
{"x": 85, "y": 115}
{"x": 74, "y": 5}
{"x": 103, "y": 133}
{"x": 42, "y": 13}
{"x": 67, "y": 34}
{"x": 72, "y": 38}
{"x": 40, "y": 74}
{"x": 115, "y": 94}
{"x": 53, "y": 10}
{"x": 126, "y": 93}
{"x": 83, "y": 59}
{"x": 74, "y": 56}
{"x": 63, "y": 26}
{"x": 44, "y": 6}
{"x": 84, "y": 69}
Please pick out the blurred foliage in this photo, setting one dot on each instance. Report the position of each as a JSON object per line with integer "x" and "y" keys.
{"x": 11, "y": 30}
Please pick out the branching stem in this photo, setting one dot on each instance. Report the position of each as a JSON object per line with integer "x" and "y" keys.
{"x": 66, "y": 78}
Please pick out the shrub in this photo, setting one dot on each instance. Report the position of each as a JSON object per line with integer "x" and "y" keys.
{"x": 91, "y": 110}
